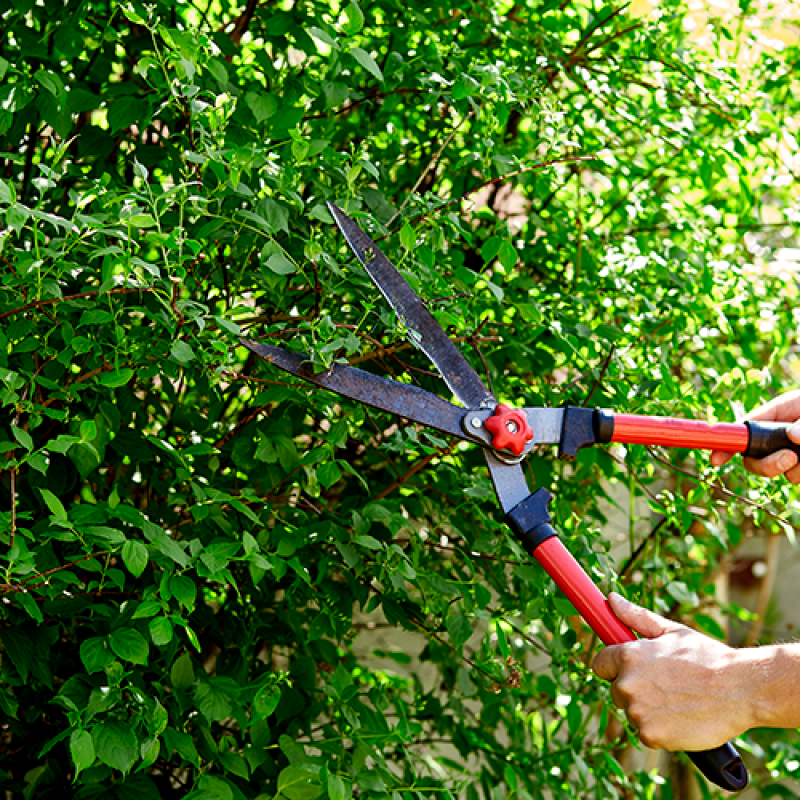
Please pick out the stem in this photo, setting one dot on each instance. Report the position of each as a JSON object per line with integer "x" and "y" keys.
{"x": 13, "y": 506}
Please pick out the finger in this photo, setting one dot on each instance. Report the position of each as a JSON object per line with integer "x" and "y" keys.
{"x": 785, "y": 408}
{"x": 794, "y": 433}
{"x": 606, "y": 664}
{"x": 772, "y": 465}
{"x": 718, "y": 457}
{"x": 793, "y": 475}
{"x": 647, "y": 623}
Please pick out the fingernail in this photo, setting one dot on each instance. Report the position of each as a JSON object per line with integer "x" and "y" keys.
{"x": 786, "y": 461}
{"x": 794, "y": 432}
{"x": 618, "y": 598}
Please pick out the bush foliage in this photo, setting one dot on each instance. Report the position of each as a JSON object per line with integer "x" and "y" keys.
{"x": 193, "y": 544}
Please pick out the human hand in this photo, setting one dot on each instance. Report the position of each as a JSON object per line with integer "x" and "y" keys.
{"x": 785, "y": 408}
{"x": 681, "y": 689}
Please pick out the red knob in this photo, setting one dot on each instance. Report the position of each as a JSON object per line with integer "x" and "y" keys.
{"x": 509, "y": 428}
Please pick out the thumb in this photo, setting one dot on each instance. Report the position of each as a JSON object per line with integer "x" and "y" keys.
{"x": 641, "y": 620}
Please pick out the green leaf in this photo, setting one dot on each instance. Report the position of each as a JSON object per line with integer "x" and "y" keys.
{"x": 149, "y": 751}
{"x": 490, "y": 248}
{"x": 129, "y": 645}
{"x": 367, "y": 61}
{"x": 329, "y": 473}
{"x": 235, "y": 764}
{"x": 169, "y": 547}
{"x": 62, "y": 443}
{"x": 183, "y": 590}
{"x": 212, "y": 702}
{"x": 160, "y": 631}
{"x": 465, "y": 86}
{"x": 682, "y": 593}
{"x": 181, "y": 352}
{"x": 459, "y": 629}
{"x": 354, "y": 19}
{"x": 299, "y": 782}
{"x": 211, "y": 787}
{"x": 266, "y": 700}
{"x": 50, "y": 81}
{"x": 126, "y": 111}
{"x": 88, "y": 430}
{"x": 276, "y": 214}
{"x": 507, "y": 255}
{"x": 370, "y": 542}
{"x": 119, "y": 377}
{"x": 148, "y": 608}
{"x": 262, "y": 105}
{"x": 182, "y": 672}
{"x": 54, "y": 504}
{"x": 338, "y": 789}
{"x": 81, "y": 748}
{"x": 280, "y": 264}
{"x": 23, "y": 437}
{"x": 8, "y": 193}
{"x": 26, "y": 600}
{"x": 95, "y": 654}
{"x": 115, "y": 744}
{"x": 407, "y": 237}
{"x": 135, "y": 556}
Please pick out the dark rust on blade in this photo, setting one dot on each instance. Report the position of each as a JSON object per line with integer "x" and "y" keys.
{"x": 398, "y": 398}
{"x": 424, "y": 330}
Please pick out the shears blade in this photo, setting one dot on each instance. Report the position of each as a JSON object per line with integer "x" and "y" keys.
{"x": 397, "y": 398}
{"x": 425, "y": 332}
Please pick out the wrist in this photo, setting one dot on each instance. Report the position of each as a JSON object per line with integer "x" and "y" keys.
{"x": 767, "y": 674}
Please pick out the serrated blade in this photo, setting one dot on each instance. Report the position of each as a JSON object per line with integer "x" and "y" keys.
{"x": 398, "y": 398}
{"x": 425, "y": 332}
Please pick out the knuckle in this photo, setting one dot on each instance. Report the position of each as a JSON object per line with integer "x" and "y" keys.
{"x": 650, "y": 738}
{"x": 629, "y": 656}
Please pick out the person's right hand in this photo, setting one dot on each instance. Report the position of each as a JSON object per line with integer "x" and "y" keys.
{"x": 785, "y": 408}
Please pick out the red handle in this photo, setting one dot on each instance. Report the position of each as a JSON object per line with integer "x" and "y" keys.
{"x": 722, "y": 764}
{"x": 671, "y": 432}
{"x": 589, "y": 601}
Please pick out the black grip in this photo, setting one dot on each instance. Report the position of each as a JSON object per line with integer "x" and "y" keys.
{"x": 723, "y": 766}
{"x": 769, "y": 437}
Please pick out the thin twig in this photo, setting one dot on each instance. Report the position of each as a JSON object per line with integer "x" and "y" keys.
{"x": 40, "y": 303}
{"x": 602, "y": 375}
{"x": 22, "y": 586}
{"x": 13, "y": 472}
{"x": 499, "y": 179}
{"x": 423, "y": 462}
{"x": 717, "y": 486}
{"x": 430, "y": 166}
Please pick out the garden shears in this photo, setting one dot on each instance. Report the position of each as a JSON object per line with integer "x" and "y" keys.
{"x": 507, "y": 435}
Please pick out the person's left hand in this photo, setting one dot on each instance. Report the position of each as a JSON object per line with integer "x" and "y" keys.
{"x": 681, "y": 689}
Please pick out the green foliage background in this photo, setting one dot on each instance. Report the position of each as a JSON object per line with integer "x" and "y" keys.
{"x": 191, "y": 541}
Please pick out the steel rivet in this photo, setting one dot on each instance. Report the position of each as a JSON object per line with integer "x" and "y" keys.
{"x": 476, "y": 422}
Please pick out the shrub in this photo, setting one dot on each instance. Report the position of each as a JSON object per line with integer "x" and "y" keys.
{"x": 193, "y": 542}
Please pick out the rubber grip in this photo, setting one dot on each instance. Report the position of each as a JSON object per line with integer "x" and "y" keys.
{"x": 769, "y": 437}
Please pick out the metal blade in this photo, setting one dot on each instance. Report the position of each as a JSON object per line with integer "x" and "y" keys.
{"x": 425, "y": 332}
{"x": 398, "y": 398}
{"x": 509, "y": 481}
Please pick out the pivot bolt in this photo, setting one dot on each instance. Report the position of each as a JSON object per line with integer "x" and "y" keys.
{"x": 509, "y": 428}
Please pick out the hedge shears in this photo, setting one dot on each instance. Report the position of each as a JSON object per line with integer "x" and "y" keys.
{"x": 507, "y": 435}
